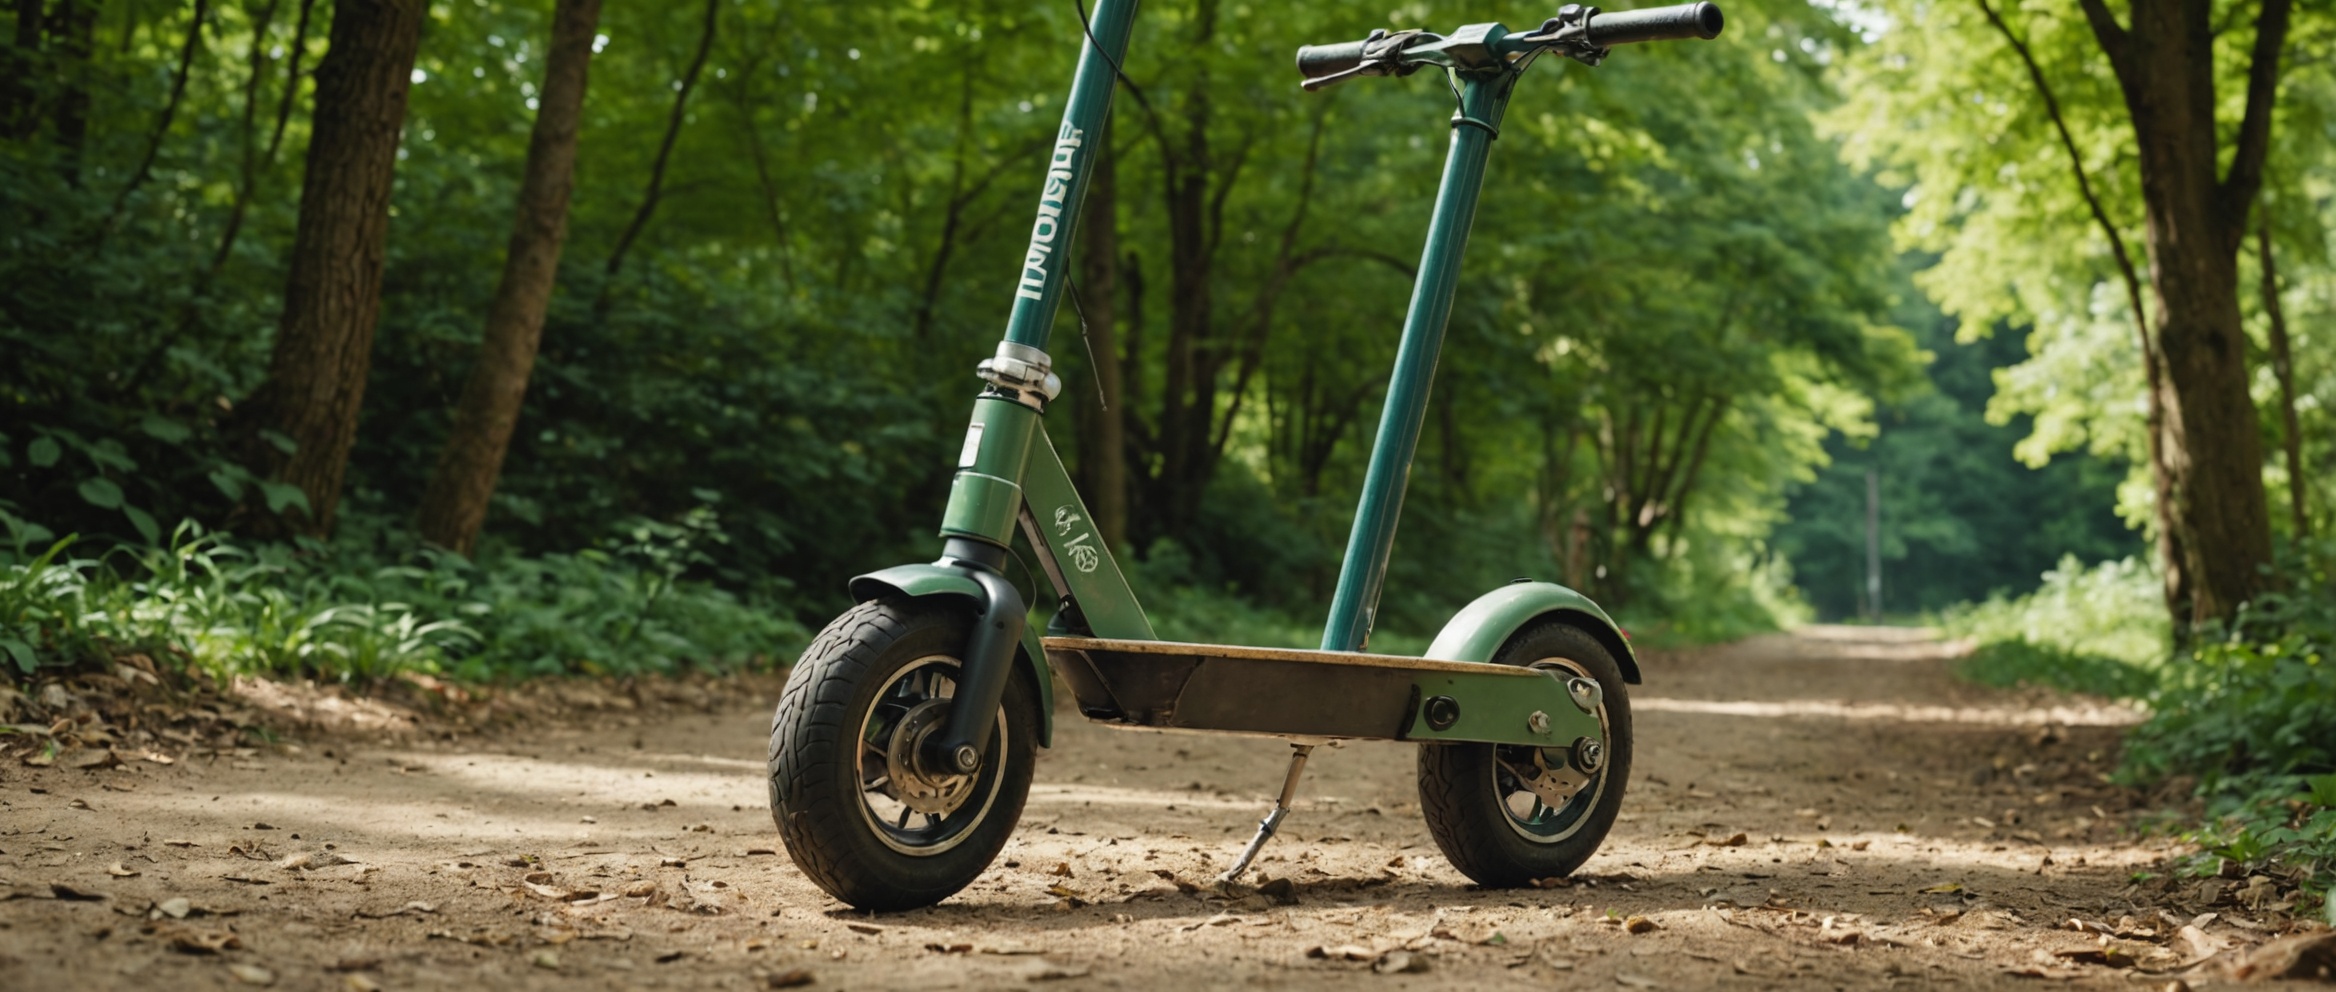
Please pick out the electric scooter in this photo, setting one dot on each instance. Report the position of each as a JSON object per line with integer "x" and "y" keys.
{"x": 903, "y": 745}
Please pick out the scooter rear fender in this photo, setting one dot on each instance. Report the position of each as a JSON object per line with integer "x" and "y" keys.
{"x": 921, "y": 581}
{"x": 1477, "y": 632}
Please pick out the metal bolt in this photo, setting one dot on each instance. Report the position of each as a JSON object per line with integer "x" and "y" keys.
{"x": 1586, "y": 694}
{"x": 966, "y": 758}
{"x": 1588, "y": 754}
{"x": 1538, "y": 722}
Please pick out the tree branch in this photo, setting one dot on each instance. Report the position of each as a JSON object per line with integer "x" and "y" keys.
{"x": 2245, "y": 178}
{"x": 2076, "y": 165}
{"x": 689, "y": 81}
{"x": 291, "y": 81}
{"x": 2106, "y": 30}
{"x": 178, "y": 91}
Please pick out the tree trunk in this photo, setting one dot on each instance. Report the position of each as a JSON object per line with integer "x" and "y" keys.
{"x": 332, "y": 298}
{"x": 2283, "y": 369}
{"x": 1104, "y": 463}
{"x": 2212, "y": 445}
{"x": 18, "y": 93}
{"x": 73, "y": 36}
{"x": 1186, "y": 400}
{"x": 454, "y": 505}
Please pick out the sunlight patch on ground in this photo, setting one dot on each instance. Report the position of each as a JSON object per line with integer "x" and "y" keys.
{"x": 1044, "y": 794}
{"x": 2078, "y": 715}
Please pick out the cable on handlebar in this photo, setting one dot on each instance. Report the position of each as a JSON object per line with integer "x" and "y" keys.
{"x": 1089, "y": 27}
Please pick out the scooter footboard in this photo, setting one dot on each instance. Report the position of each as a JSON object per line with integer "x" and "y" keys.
{"x": 1325, "y": 694}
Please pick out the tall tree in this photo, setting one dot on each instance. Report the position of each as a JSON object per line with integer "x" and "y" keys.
{"x": 72, "y": 32}
{"x": 332, "y": 298}
{"x": 2211, "y": 446}
{"x": 1103, "y": 463}
{"x": 17, "y": 65}
{"x": 2174, "y": 569}
{"x": 454, "y": 506}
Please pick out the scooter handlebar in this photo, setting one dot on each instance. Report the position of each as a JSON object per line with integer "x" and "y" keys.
{"x": 1687, "y": 20}
{"x": 1317, "y": 61}
{"x": 1323, "y": 65}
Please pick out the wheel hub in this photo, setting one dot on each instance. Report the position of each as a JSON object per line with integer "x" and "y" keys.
{"x": 916, "y": 786}
{"x": 1555, "y": 782}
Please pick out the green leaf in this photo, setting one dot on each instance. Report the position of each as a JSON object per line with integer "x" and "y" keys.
{"x": 281, "y": 494}
{"x": 109, "y": 454}
{"x": 22, "y": 532}
{"x": 282, "y": 441}
{"x": 44, "y": 451}
{"x": 145, "y": 524}
{"x": 165, "y": 429}
{"x": 26, "y": 660}
{"x": 101, "y": 492}
{"x": 230, "y": 484}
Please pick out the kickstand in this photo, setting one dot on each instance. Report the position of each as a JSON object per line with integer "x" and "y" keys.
{"x": 1273, "y": 818}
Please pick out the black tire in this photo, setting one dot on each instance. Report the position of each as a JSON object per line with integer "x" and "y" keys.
{"x": 1466, "y": 793}
{"x": 861, "y": 679}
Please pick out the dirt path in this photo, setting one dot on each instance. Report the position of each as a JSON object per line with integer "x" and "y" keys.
{"x": 1828, "y": 809}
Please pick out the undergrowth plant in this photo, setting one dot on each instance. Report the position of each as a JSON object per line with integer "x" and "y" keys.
{"x": 2246, "y": 710}
{"x": 349, "y": 612}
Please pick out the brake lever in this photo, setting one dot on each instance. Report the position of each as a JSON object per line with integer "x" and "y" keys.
{"x": 1382, "y": 56}
{"x": 1568, "y": 34}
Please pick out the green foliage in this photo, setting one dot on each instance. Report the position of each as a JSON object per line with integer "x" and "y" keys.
{"x": 351, "y": 613}
{"x": 1961, "y": 519}
{"x": 2248, "y": 712}
{"x": 2081, "y": 616}
{"x": 792, "y": 331}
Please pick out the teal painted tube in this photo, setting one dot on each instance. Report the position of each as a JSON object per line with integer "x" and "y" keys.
{"x": 1355, "y": 605}
{"x": 1038, "y": 290}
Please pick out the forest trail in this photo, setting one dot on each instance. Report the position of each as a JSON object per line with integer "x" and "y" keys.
{"x": 1823, "y": 809}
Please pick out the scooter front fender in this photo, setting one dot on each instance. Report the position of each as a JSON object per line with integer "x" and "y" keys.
{"x": 922, "y": 581}
{"x": 1477, "y": 632}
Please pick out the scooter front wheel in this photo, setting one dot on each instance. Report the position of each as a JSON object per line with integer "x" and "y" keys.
{"x": 859, "y": 811}
{"x": 1479, "y": 799}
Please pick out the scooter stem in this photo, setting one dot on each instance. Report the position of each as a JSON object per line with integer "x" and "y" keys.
{"x": 1355, "y": 605}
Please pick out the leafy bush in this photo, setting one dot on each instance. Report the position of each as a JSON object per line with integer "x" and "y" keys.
{"x": 2113, "y": 611}
{"x": 347, "y": 612}
{"x": 2251, "y": 711}
{"x": 2248, "y": 710}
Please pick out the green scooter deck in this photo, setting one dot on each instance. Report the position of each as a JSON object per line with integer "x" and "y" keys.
{"x": 1286, "y": 692}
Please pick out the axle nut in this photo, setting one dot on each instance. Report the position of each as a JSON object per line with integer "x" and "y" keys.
{"x": 1538, "y": 722}
{"x": 1589, "y": 755}
{"x": 966, "y": 759}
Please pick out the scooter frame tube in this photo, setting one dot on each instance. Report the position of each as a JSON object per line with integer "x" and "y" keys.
{"x": 986, "y": 494}
{"x": 1484, "y": 96}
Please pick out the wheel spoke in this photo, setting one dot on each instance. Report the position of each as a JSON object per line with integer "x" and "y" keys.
{"x": 904, "y": 812}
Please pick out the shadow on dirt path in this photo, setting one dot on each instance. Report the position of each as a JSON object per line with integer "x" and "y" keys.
{"x": 1825, "y": 809}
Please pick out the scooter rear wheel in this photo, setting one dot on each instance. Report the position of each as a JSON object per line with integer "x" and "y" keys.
{"x": 1489, "y": 825}
{"x": 858, "y": 813}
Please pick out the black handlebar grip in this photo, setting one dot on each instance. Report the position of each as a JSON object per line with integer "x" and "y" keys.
{"x": 1623, "y": 27}
{"x": 1317, "y": 61}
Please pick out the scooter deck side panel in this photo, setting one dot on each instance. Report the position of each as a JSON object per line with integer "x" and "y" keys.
{"x": 1289, "y": 692}
{"x": 1352, "y": 659}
